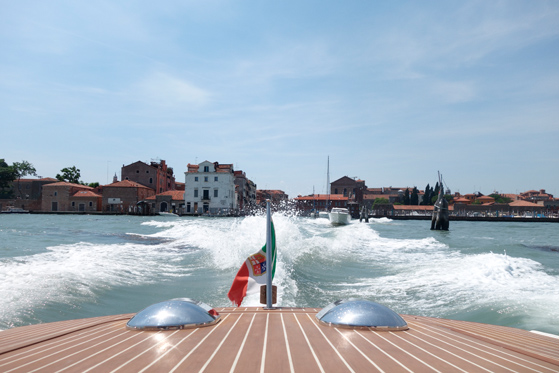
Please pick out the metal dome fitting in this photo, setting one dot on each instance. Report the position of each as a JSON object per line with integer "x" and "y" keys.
{"x": 179, "y": 313}
{"x": 358, "y": 313}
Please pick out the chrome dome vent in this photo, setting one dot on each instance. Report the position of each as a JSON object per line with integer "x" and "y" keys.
{"x": 357, "y": 313}
{"x": 179, "y": 313}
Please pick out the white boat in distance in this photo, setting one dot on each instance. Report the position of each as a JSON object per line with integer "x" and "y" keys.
{"x": 339, "y": 216}
{"x": 164, "y": 213}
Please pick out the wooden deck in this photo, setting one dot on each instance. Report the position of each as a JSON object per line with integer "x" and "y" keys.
{"x": 282, "y": 340}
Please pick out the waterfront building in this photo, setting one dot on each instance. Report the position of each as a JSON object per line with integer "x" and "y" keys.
{"x": 156, "y": 175}
{"x": 169, "y": 201}
{"x": 210, "y": 189}
{"x": 536, "y": 196}
{"x": 86, "y": 201}
{"x": 320, "y": 202}
{"x": 277, "y": 197}
{"x": 246, "y": 192}
{"x": 60, "y": 197}
{"x": 348, "y": 187}
{"x": 27, "y": 193}
{"x": 125, "y": 197}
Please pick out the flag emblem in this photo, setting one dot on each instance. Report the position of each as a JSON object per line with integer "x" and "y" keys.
{"x": 258, "y": 264}
{"x": 250, "y": 275}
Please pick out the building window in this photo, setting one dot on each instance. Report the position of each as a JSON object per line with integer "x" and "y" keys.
{"x": 215, "y": 178}
{"x": 195, "y": 178}
{"x": 90, "y": 204}
{"x": 137, "y": 171}
{"x": 215, "y": 192}
{"x": 206, "y": 168}
{"x": 205, "y": 178}
{"x": 195, "y": 193}
{"x": 55, "y": 194}
{"x": 151, "y": 180}
{"x": 147, "y": 171}
{"x": 73, "y": 204}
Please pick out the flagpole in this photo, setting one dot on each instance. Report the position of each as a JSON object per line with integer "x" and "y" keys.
{"x": 269, "y": 259}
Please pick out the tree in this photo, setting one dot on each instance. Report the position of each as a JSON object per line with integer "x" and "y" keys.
{"x": 22, "y": 169}
{"x": 70, "y": 174}
{"x": 427, "y": 196}
{"x": 436, "y": 191}
{"x": 414, "y": 199}
{"x": 407, "y": 197}
{"x": 380, "y": 201}
{"x": 7, "y": 176}
{"x": 500, "y": 199}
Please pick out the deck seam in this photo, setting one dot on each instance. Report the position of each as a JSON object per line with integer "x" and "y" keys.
{"x": 442, "y": 333}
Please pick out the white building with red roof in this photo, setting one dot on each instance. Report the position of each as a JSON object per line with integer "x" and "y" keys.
{"x": 210, "y": 189}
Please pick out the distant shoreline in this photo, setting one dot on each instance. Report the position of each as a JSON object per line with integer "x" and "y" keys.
{"x": 474, "y": 218}
{"x": 395, "y": 217}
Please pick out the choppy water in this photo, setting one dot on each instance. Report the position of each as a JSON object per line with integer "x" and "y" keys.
{"x": 56, "y": 267}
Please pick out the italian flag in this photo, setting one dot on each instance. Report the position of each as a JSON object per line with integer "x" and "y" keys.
{"x": 252, "y": 273}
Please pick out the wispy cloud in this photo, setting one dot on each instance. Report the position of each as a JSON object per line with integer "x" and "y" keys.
{"x": 162, "y": 89}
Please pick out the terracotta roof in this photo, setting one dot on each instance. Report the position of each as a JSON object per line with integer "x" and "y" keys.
{"x": 42, "y": 179}
{"x": 272, "y": 191}
{"x": 86, "y": 194}
{"x": 177, "y": 195}
{"x": 125, "y": 184}
{"x": 523, "y": 204}
{"x": 224, "y": 168}
{"x": 192, "y": 167}
{"x": 486, "y": 198}
{"x": 322, "y": 197}
{"x": 418, "y": 207}
{"x": 65, "y": 183}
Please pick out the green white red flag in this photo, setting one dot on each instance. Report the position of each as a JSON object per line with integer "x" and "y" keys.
{"x": 252, "y": 273}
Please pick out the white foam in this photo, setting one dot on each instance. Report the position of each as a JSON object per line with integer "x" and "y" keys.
{"x": 421, "y": 276}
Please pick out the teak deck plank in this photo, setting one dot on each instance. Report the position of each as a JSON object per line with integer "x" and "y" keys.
{"x": 277, "y": 340}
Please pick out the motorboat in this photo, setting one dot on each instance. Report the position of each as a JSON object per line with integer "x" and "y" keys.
{"x": 339, "y": 216}
{"x": 15, "y": 210}
{"x": 169, "y": 214}
{"x": 347, "y": 335}
{"x": 182, "y": 335}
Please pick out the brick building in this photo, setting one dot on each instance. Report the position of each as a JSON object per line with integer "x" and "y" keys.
{"x": 169, "y": 201}
{"x": 27, "y": 193}
{"x": 86, "y": 201}
{"x": 320, "y": 202}
{"x": 157, "y": 176}
{"x": 124, "y": 196}
{"x": 59, "y": 196}
{"x": 276, "y": 197}
{"x": 245, "y": 191}
{"x": 348, "y": 187}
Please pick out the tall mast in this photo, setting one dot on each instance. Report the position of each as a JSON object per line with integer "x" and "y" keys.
{"x": 328, "y": 183}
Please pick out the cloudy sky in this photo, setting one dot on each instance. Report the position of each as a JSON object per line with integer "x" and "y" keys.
{"x": 392, "y": 92}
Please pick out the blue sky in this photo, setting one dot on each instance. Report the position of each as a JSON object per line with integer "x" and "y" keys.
{"x": 392, "y": 92}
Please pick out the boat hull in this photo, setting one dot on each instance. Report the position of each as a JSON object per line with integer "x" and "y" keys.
{"x": 339, "y": 217}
